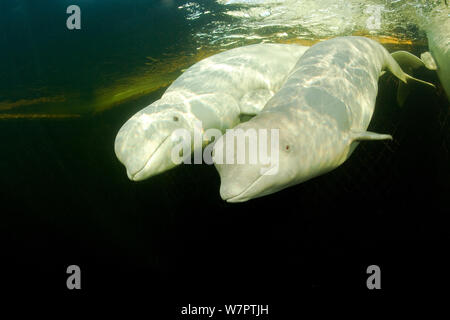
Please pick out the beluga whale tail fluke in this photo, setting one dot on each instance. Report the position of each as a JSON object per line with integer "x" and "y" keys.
{"x": 321, "y": 113}
{"x": 408, "y": 63}
{"x": 217, "y": 92}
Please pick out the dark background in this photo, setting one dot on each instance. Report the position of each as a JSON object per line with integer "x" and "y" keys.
{"x": 67, "y": 200}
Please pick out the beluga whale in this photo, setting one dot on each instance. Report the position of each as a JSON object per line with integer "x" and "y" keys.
{"x": 438, "y": 34}
{"x": 217, "y": 92}
{"x": 321, "y": 113}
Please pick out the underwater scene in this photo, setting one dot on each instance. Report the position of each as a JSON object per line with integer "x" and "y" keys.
{"x": 93, "y": 201}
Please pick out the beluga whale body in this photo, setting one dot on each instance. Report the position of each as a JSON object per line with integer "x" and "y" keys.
{"x": 321, "y": 113}
{"x": 215, "y": 93}
{"x": 438, "y": 34}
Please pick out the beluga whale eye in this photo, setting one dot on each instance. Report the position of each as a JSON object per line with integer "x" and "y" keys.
{"x": 175, "y": 118}
{"x": 287, "y": 147}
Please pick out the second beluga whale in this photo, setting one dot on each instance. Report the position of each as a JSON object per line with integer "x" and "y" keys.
{"x": 213, "y": 93}
{"x": 321, "y": 113}
{"x": 438, "y": 34}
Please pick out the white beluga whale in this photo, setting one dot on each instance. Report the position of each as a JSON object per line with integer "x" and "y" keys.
{"x": 438, "y": 34}
{"x": 321, "y": 113}
{"x": 214, "y": 92}
{"x": 409, "y": 63}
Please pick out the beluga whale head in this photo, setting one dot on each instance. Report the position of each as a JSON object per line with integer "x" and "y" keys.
{"x": 144, "y": 144}
{"x": 286, "y": 155}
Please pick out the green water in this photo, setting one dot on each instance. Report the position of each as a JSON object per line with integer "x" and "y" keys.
{"x": 125, "y": 50}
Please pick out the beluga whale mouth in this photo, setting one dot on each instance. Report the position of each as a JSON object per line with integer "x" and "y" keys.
{"x": 144, "y": 145}
{"x": 234, "y": 192}
{"x": 154, "y": 162}
{"x": 229, "y": 194}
